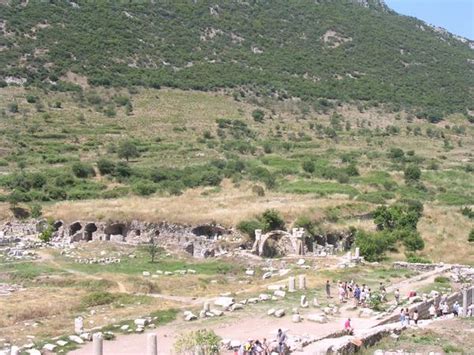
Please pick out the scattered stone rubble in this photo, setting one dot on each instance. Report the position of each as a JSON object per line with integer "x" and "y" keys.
{"x": 7, "y": 289}
{"x": 458, "y": 273}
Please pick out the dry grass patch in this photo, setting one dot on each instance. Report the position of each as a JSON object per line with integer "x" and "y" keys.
{"x": 445, "y": 232}
{"x": 228, "y": 207}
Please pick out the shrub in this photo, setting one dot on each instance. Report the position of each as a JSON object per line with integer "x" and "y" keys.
{"x": 272, "y": 220}
{"x": 412, "y": 258}
{"x": 352, "y": 170}
{"x": 36, "y": 210}
{"x": 97, "y": 299}
{"x": 267, "y": 148}
{"x": 83, "y": 170}
{"x": 105, "y": 166}
{"x": 396, "y": 154}
{"x": 413, "y": 241}
{"x": 412, "y": 173}
{"x": 372, "y": 245}
{"x": 470, "y": 238}
{"x": 258, "y": 190}
{"x": 122, "y": 170}
{"x": 441, "y": 279}
{"x": 309, "y": 225}
{"x": 309, "y": 166}
{"x": 31, "y": 99}
{"x": 47, "y": 234}
{"x": 201, "y": 341}
{"x": 248, "y": 227}
{"x": 258, "y": 115}
{"x": 13, "y": 107}
{"x": 144, "y": 188}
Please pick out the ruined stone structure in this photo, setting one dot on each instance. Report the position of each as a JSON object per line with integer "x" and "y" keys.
{"x": 278, "y": 242}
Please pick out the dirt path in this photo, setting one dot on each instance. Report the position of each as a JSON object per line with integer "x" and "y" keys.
{"x": 245, "y": 327}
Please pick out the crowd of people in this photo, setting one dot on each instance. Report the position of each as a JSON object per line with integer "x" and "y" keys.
{"x": 443, "y": 309}
{"x": 257, "y": 347}
{"x": 362, "y": 295}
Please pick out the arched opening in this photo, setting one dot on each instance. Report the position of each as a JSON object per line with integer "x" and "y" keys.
{"x": 208, "y": 231}
{"x": 116, "y": 229}
{"x": 89, "y": 230}
{"x": 57, "y": 225}
{"x": 277, "y": 245}
{"x": 74, "y": 228}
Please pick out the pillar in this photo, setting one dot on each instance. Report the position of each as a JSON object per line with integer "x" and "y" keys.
{"x": 97, "y": 344}
{"x": 465, "y": 305}
{"x": 78, "y": 325}
{"x": 151, "y": 344}
{"x": 291, "y": 284}
{"x": 357, "y": 253}
{"x": 15, "y": 350}
{"x": 302, "y": 282}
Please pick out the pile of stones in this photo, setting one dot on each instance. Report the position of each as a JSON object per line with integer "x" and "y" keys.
{"x": 102, "y": 261}
{"x": 6, "y": 289}
{"x": 168, "y": 273}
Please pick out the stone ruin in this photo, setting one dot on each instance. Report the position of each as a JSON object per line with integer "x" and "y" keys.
{"x": 202, "y": 241}
{"x": 279, "y": 243}
{"x": 198, "y": 241}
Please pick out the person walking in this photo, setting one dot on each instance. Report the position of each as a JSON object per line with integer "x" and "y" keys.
{"x": 407, "y": 317}
{"x": 415, "y": 316}
{"x": 432, "y": 311}
{"x": 456, "y": 309}
{"x": 348, "y": 327}
{"x": 328, "y": 289}
{"x": 397, "y": 296}
{"x": 281, "y": 338}
{"x": 402, "y": 317}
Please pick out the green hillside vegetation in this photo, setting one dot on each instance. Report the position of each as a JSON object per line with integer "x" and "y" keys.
{"x": 66, "y": 146}
{"x": 317, "y": 51}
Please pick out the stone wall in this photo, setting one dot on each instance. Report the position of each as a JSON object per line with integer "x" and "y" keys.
{"x": 423, "y": 307}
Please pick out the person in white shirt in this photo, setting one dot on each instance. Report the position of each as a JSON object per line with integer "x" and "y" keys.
{"x": 432, "y": 311}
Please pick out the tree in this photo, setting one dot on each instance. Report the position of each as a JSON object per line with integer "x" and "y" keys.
{"x": 372, "y": 245}
{"x": 153, "y": 248}
{"x": 412, "y": 173}
{"x": 127, "y": 149}
{"x": 470, "y": 238}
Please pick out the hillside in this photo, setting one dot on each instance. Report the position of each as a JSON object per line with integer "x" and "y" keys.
{"x": 102, "y": 128}
{"x": 345, "y": 50}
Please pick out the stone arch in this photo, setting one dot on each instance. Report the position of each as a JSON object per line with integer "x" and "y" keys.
{"x": 74, "y": 228}
{"x": 89, "y": 230}
{"x": 275, "y": 243}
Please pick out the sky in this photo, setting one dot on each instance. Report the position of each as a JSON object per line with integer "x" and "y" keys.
{"x": 457, "y": 16}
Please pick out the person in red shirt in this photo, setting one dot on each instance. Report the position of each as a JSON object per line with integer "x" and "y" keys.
{"x": 348, "y": 326}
